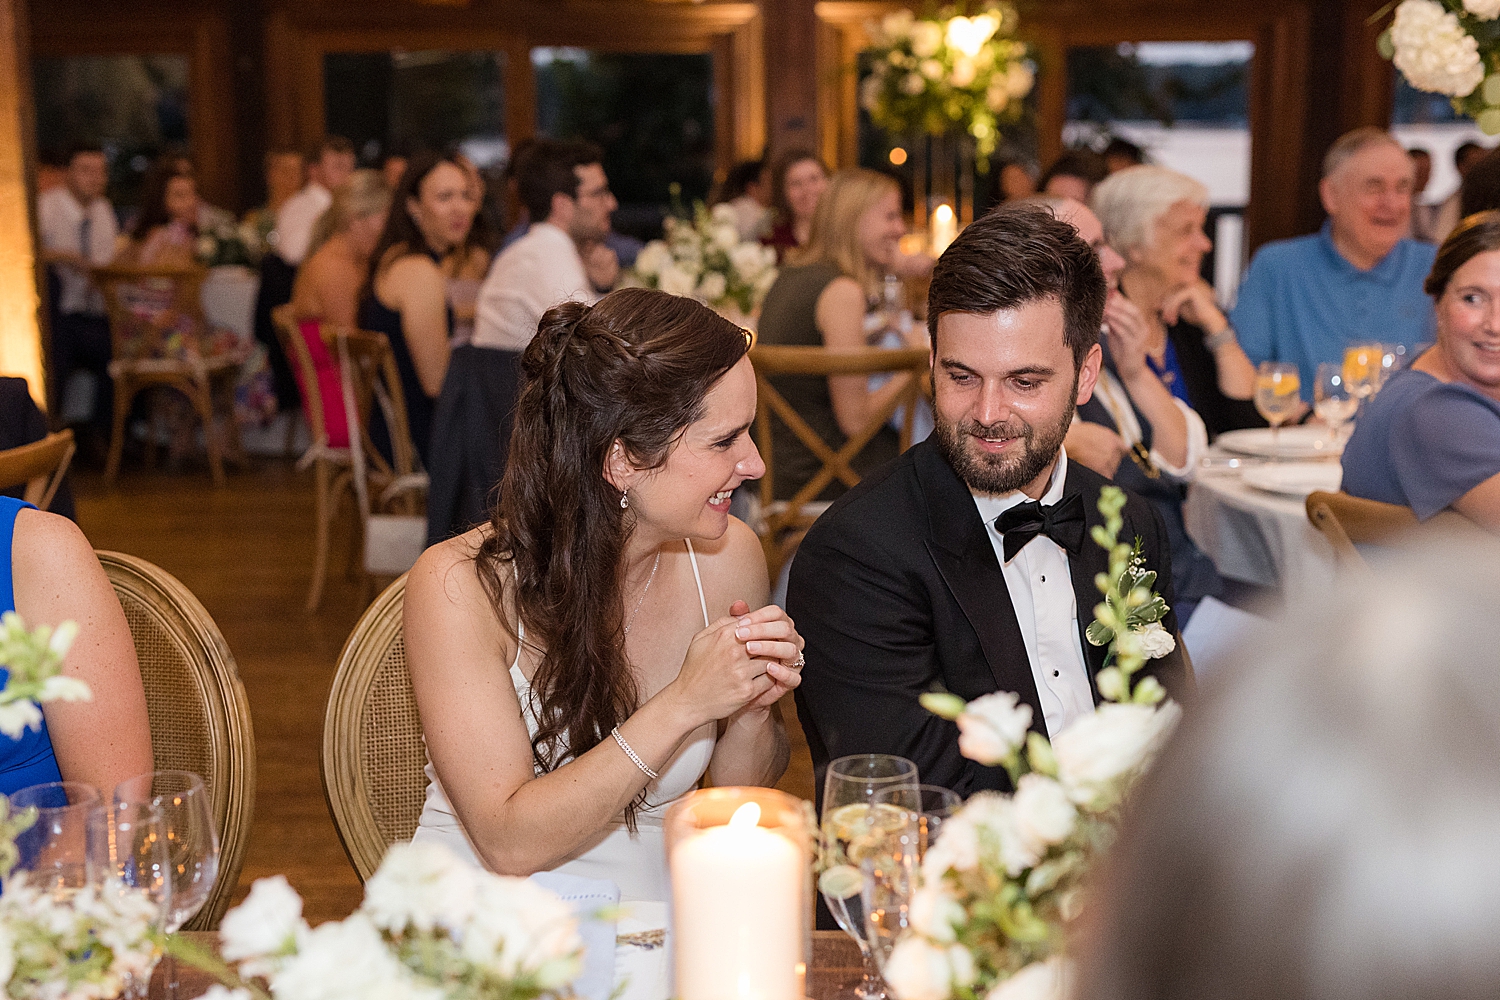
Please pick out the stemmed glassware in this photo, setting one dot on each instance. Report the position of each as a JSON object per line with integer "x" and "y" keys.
{"x": 192, "y": 842}
{"x": 870, "y": 807}
{"x": 1277, "y": 397}
{"x": 139, "y": 859}
{"x": 1334, "y": 402}
{"x": 67, "y": 848}
{"x": 1363, "y": 369}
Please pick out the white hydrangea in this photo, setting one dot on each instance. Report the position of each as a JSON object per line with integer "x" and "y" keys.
{"x": 750, "y": 259}
{"x": 422, "y": 885}
{"x": 1433, "y": 51}
{"x": 1485, "y": 10}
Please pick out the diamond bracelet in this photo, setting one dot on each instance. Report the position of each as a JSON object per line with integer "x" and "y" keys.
{"x": 615, "y": 732}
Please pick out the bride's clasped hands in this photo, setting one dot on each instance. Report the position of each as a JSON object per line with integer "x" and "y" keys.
{"x": 745, "y": 661}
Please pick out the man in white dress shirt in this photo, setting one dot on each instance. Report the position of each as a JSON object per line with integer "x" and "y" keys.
{"x": 329, "y": 166}
{"x": 78, "y": 231}
{"x": 561, "y": 257}
{"x": 966, "y": 563}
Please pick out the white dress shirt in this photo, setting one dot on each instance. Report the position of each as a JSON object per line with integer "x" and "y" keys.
{"x": 1041, "y": 591}
{"x": 60, "y": 216}
{"x": 533, "y": 274}
{"x": 295, "y": 221}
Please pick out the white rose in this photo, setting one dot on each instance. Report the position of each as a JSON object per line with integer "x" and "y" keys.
{"x": 1098, "y": 751}
{"x": 926, "y": 39}
{"x": 748, "y": 260}
{"x": 1156, "y": 641}
{"x": 522, "y": 929}
{"x": 423, "y": 885}
{"x": 963, "y": 72}
{"x": 935, "y": 913}
{"x": 912, "y": 84}
{"x": 932, "y": 69}
{"x": 1043, "y": 814}
{"x": 723, "y": 214}
{"x": 726, "y": 236}
{"x": 992, "y": 727}
{"x": 1485, "y": 10}
{"x": 712, "y": 288}
{"x": 1433, "y": 51}
{"x": 18, "y": 716}
{"x": 916, "y": 970}
{"x": 897, "y": 25}
{"x": 957, "y": 848}
{"x": 1047, "y": 980}
{"x": 268, "y": 922}
{"x": 345, "y": 960}
{"x": 961, "y": 960}
{"x": 676, "y": 280}
{"x": 653, "y": 257}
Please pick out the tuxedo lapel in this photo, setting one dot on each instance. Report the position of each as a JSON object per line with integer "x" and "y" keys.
{"x": 960, "y": 548}
{"x": 1086, "y": 565}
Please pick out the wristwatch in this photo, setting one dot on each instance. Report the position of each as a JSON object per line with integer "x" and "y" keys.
{"x": 1223, "y": 338}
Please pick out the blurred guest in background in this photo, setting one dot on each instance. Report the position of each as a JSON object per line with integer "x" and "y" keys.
{"x": 338, "y": 262}
{"x": 1422, "y": 216}
{"x": 77, "y": 230}
{"x": 798, "y": 180}
{"x": 1074, "y": 174}
{"x": 1480, "y": 191}
{"x": 746, "y": 191}
{"x": 1121, "y": 154}
{"x": 430, "y": 237}
{"x": 166, "y": 232}
{"x": 1358, "y": 279}
{"x": 1465, "y": 158}
{"x": 393, "y": 167}
{"x": 1153, "y": 218}
{"x": 1322, "y": 826}
{"x": 284, "y": 175}
{"x": 1011, "y": 180}
{"x": 1430, "y": 440}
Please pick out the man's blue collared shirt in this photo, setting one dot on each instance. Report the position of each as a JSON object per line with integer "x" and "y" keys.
{"x": 1303, "y": 302}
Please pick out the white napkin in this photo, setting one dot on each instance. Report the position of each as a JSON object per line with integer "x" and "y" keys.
{"x": 588, "y": 897}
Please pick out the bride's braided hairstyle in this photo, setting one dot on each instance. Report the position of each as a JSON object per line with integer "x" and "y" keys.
{"x": 634, "y": 369}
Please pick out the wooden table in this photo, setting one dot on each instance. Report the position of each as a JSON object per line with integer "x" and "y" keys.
{"x": 836, "y": 963}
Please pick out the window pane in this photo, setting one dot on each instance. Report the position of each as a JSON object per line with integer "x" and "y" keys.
{"x": 648, "y": 144}
{"x": 133, "y": 106}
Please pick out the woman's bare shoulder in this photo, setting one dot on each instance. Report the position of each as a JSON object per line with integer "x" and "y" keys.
{"x": 41, "y": 536}
{"x": 734, "y": 564}
{"x": 449, "y": 571}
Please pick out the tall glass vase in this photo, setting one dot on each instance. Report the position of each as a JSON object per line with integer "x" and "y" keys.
{"x": 943, "y": 186}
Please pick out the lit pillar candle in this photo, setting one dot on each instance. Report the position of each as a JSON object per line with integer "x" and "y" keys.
{"x": 944, "y": 227}
{"x": 739, "y": 901}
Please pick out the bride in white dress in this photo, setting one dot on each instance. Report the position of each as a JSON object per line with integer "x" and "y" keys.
{"x": 616, "y": 588}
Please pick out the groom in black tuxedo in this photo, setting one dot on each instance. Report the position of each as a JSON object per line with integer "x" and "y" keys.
{"x": 966, "y": 564}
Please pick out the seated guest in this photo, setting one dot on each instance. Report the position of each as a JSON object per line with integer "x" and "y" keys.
{"x": 820, "y": 301}
{"x": 560, "y": 258}
{"x": 48, "y": 575}
{"x": 338, "y": 263}
{"x": 430, "y": 237}
{"x": 584, "y": 659}
{"x": 939, "y": 571}
{"x": 798, "y": 180}
{"x": 284, "y": 171}
{"x": 1134, "y": 415}
{"x": 1011, "y": 180}
{"x": 77, "y": 229}
{"x": 1431, "y": 439}
{"x": 1358, "y": 279}
{"x": 1469, "y": 198}
{"x": 747, "y": 192}
{"x": 1322, "y": 824}
{"x": 166, "y": 232}
{"x": 1122, "y": 154}
{"x": 1074, "y": 174}
{"x": 1153, "y": 217}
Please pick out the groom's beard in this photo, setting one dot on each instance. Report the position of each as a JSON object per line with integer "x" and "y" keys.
{"x": 1000, "y": 473}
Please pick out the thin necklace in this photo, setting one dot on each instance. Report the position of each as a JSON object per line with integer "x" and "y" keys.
{"x": 631, "y": 620}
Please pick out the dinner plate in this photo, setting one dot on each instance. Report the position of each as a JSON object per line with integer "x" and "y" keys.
{"x": 1295, "y": 480}
{"x": 1294, "y": 442}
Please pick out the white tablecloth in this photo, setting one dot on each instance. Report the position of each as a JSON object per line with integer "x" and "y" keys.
{"x": 229, "y": 298}
{"x": 1258, "y": 537}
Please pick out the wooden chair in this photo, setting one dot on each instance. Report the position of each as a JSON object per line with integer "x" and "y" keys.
{"x": 373, "y": 754}
{"x": 1347, "y": 520}
{"x": 41, "y": 465}
{"x": 200, "y": 717}
{"x": 782, "y": 523}
{"x": 144, "y": 304}
{"x": 372, "y": 360}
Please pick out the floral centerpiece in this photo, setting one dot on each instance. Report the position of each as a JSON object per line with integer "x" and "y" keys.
{"x": 226, "y": 244}
{"x": 704, "y": 257}
{"x": 1003, "y": 882}
{"x": 1450, "y": 47}
{"x": 936, "y": 74}
{"x": 430, "y": 928}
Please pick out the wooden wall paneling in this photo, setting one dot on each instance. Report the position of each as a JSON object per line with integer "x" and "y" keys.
{"x": 280, "y": 73}
{"x": 1051, "y": 52}
{"x": 748, "y": 59}
{"x": 1369, "y": 79}
{"x": 842, "y": 36}
{"x": 21, "y": 351}
{"x": 520, "y": 91}
{"x": 792, "y": 78}
{"x": 1279, "y": 147}
{"x": 211, "y": 113}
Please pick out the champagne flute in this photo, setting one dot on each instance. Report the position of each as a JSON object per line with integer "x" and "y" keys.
{"x": 66, "y": 849}
{"x": 889, "y": 876}
{"x": 1276, "y": 397}
{"x": 868, "y": 799}
{"x": 192, "y": 842}
{"x": 1335, "y": 403}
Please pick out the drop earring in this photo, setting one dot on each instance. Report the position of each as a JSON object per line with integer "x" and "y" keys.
{"x": 624, "y": 499}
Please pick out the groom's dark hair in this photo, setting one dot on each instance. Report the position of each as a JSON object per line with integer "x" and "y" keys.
{"x": 1016, "y": 255}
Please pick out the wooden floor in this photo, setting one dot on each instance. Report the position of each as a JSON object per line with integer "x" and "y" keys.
{"x": 245, "y": 552}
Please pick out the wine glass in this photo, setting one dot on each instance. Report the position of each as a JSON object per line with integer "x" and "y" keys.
{"x": 192, "y": 842}
{"x": 1362, "y": 369}
{"x": 140, "y": 862}
{"x": 868, "y": 800}
{"x": 888, "y": 872}
{"x": 1334, "y": 402}
{"x": 1276, "y": 397}
{"x": 66, "y": 849}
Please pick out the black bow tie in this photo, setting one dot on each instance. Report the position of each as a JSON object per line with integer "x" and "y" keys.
{"x": 1063, "y": 522}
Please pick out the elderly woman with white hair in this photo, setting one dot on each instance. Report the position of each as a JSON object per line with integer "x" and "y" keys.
{"x": 1153, "y": 217}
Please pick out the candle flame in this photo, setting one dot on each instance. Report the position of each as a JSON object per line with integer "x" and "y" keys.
{"x": 745, "y": 816}
{"x": 943, "y": 213}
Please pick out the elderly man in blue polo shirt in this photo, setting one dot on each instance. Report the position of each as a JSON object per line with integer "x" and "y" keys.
{"x": 1358, "y": 279}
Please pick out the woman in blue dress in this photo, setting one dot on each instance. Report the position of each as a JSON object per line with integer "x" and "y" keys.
{"x": 49, "y": 574}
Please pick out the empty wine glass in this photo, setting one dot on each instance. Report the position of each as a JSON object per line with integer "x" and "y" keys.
{"x": 1277, "y": 397}
{"x": 192, "y": 842}
{"x": 140, "y": 862}
{"x": 868, "y": 800}
{"x": 66, "y": 849}
{"x": 1334, "y": 402}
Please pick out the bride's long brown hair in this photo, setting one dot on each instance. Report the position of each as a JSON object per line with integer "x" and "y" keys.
{"x": 634, "y": 368}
